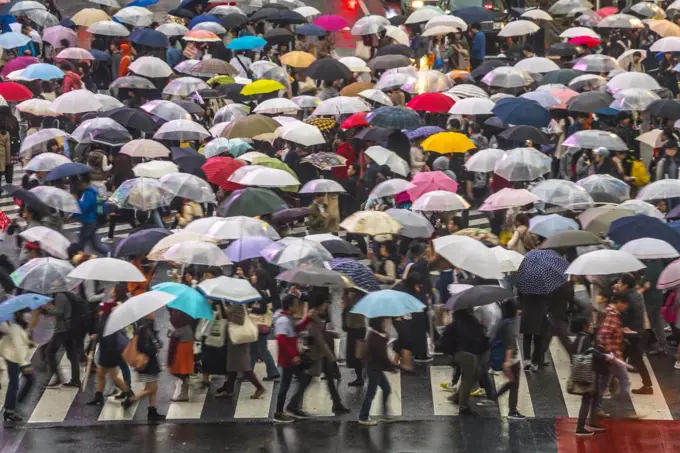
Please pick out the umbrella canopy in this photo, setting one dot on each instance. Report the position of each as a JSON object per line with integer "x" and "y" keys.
{"x": 331, "y": 22}
{"x": 140, "y": 243}
{"x": 322, "y": 186}
{"x": 517, "y": 111}
{"x": 293, "y": 252}
{"x": 478, "y": 296}
{"x": 525, "y": 133}
{"x": 633, "y": 99}
{"x": 387, "y": 303}
{"x": 629, "y": 228}
{"x": 509, "y": 260}
{"x": 258, "y": 127}
{"x": 316, "y": 276}
{"x": 19, "y": 303}
{"x": 440, "y": 201}
{"x": 605, "y": 188}
{"x": 367, "y": 25}
{"x": 670, "y": 276}
{"x": 562, "y": 193}
{"x": 141, "y": 193}
{"x": 181, "y": 130}
{"x": 247, "y": 248}
{"x": 599, "y": 219}
{"x": 650, "y": 249}
{"x": 187, "y": 300}
{"x": 660, "y": 190}
{"x": 523, "y": 164}
{"x": 394, "y": 118}
{"x": 371, "y": 222}
{"x": 50, "y": 241}
{"x": 591, "y": 139}
{"x": 56, "y": 198}
{"x": 76, "y": 101}
{"x": 642, "y": 207}
{"x": 541, "y": 272}
{"x": 415, "y": 225}
{"x": 107, "y": 269}
{"x": 255, "y": 175}
{"x": 341, "y": 105}
{"x": 251, "y": 202}
{"x": 508, "y": 198}
{"x": 632, "y": 80}
{"x": 507, "y": 77}
{"x": 44, "y": 276}
{"x": 362, "y": 276}
{"x": 566, "y": 239}
{"x": 196, "y": 252}
{"x": 589, "y": 102}
{"x": 230, "y": 290}
{"x": 430, "y": 181}
{"x": 468, "y": 254}
{"x": 604, "y": 262}
{"x": 383, "y": 156}
{"x": 328, "y": 69}
{"x": 46, "y": 162}
{"x": 484, "y": 161}
{"x": 391, "y": 187}
{"x": 472, "y": 106}
{"x": 135, "y": 308}
{"x": 549, "y": 225}
{"x": 145, "y": 148}
{"x": 447, "y": 142}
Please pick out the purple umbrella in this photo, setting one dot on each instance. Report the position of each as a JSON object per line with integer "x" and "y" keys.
{"x": 17, "y": 64}
{"x": 290, "y": 215}
{"x": 424, "y": 131}
{"x": 247, "y": 248}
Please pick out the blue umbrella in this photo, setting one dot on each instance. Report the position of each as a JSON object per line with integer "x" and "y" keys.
{"x": 474, "y": 14}
{"x": 68, "y": 23}
{"x": 140, "y": 243}
{"x": 203, "y": 18}
{"x": 150, "y": 38}
{"x": 641, "y": 226}
{"x": 549, "y": 225}
{"x": 362, "y": 276}
{"x": 143, "y": 3}
{"x": 100, "y": 55}
{"x": 42, "y": 71}
{"x": 541, "y": 272}
{"x": 188, "y": 300}
{"x": 518, "y": 111}
{"x": 312, "y": 30}
{"x": 389, "y": 303}
{"x": 67, "y": 170}
{"x": 13, "y": 39}
{"x": 247, "y": 43}
{"x": 21, "y": 302}
{"x": 422, "y": 132}
{"x": 394, "y": 118}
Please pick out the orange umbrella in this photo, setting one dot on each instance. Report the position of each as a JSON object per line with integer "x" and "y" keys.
{"x": 353, "y": 89}
{"x": 298, "y": 59}
{"x": 201, "y": 36}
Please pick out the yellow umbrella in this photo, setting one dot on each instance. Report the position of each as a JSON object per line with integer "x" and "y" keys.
{"x": 261, "y": 87}
{"x": 297, "y": 59}
{"x": 220, "y": 80}
{"x": 88, "y": 16}
{"x": 447, "y": 142}
{"x": 664, "y": 28}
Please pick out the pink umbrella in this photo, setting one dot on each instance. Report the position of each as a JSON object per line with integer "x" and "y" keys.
{"x": 331, "y": 22}
{"x": 508, "y": 198}
{"x": 563, "y": 94}
{"x": 17, "y": 64}
{"x": 607, "y": 11}
{"x": 670, "y": 276}
{"x": 75, "y": 53}
{"x": 54, "y": 35}
{"x": 429, "y": 181}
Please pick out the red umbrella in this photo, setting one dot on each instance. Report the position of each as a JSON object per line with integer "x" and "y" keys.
{"x": 14, "y": 92}
{"x": 356, "y": 120}
{"x": 586, "y": 41}
{"x": 17, "y": 64}
{"x": 607, "y": 11}
{"x": 431, "y": 102}
{"x": 219, "y": 169}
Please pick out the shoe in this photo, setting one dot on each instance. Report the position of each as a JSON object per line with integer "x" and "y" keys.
{"x": 153, "y": 415}
{"x": 368, "y": 422}
{"x": 602, "y": 414}
{"x": 424, "y": 359}
{"x": 72, "y": 384}
{"x": 298, "y": 413}
{"x": 644, "y": 390}
{"x": 516, "y": 416}
{"x": 583, "y": 433}
{"x": 527, "y": 365}
{"x": 11, "y": 416}
{"x": 97, "y": 401}
{"x": 596, "y": 428}
{"x": 533, "y": 368}
{"x": 677, "y": 365}
{"x": 123, "y": 395}
{"x": 467, "y": 411}
{"x": 485, "y": 403}
{"x": 452, "y": 398}
{"x": 274, "y": 378}
{"x": 223, "y": 394}
{"x": 107, "y": 240}
{"x": 340, "y": 409}
{"x": 607, "y": 395}
{"x": 341, "y": 362}
{"x": 479, "y": 392}
{"x": 54, "y": 384}
{"x": 127, "y": 402}
{"x": 282, "y": 417}
{"x": 258, "y": 393}
{"x": 356, "y": 383}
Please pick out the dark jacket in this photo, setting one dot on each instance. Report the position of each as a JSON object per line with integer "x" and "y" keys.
{"x": 534, "y": 314}
{"x": 375, "y": 355}
{"x": 634, "y": 316}
{"x": 465, "y": 334}
{"x": 149, "y": 345}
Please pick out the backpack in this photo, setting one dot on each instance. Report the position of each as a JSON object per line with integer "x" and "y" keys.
{"x": 669, "y": 311}
{"x": 497, "y": 349}
{"x": 80, "y": 311}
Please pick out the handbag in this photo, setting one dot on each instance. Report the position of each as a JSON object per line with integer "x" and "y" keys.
{"x": 264, "y": 321}
{"x": 582, "y": 377}
{"x": 133, "y": 357}
{"x": 217, "y": 334}
{"x": 243, "y": 333}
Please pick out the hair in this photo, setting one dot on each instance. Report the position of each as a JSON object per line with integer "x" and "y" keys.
{"x": 454, "y": 123}
{"x": 288, "y": 301}
{"x": 628, "y": 280}
{"x": 509, "y": 309}
{"x": 475, "y": 128}
{"x": 213, "y": 270}
{"x": 84, "y": 178}
{"x": 416, "y": 249}
{"x": 476, "y": 26}
{"x": 142, "y": 216}
{"x": 522, "y": 219}
{"x": 619, "y": 297}
{"x": 578, "y": 324}
{"x": 606, "y": 293}
{"x": 528, "y": 48}
{"x": 457, "y": 220}
{"x": 637, "y": 54}
{"x": 120, "y": 292}
{"x": 46, "y": 86}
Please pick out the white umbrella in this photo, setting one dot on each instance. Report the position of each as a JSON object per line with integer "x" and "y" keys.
{"x": 653, "y": 138}
{"x": 211, "y": 26}
{"x": 604, "y": 262}
{"x": 416, "y": 225}
{"x": 627, "y": 57}
{"x": 307, "y": 11}
{"x": 56, "y": 198}
{"x": 633, "y": 99}
{"x": 439, "y": 30}
{"x": 277, "y": 106}
{"x": 484, "y": 161}
{"x": 341, "y": 105}
{"x": 355, "y": 64}
{"x": 155, "y": 169}
{"x": 397, "y": 34}
{"x": 632, "y": 80}
{"x": 293, "y": 252}
{"x": 605, "y": 188}
{"x": 251, "y": 156}
{"x": 468, "y": 254}
{"x": 108, "y": 102}
{"x": 145, "y": 148}
{"x": 376, "y": 96}
{"x": 151, "y": 67}
{"x": 257, "y": 175}
{"x": 648, "y": 9}
{"x": 369, "y": 25}
{"x": 660, "y": 190}
{"x": 575, "y": 32}
{"x": 223, "y": 10}
{"x": 287, "y": 121}
{"x": 523, "y": 164}
{"x": 231, "y": 228}
{"x": 562, "y": 193}
{"x": 188, "y": 186}
{"x": 519, "y": 28}
{"x": 392, "y": 79}
{"x": 466, "y": 90}
{"x": 40, "y": 137}
{"x": 440, "y": 201}
{"x": 650, "y": 249}
{"x": 183, "y": 86}
{"x": 181, "y": 130}
{"x": 620, "y": 21}
{"x": 46, "y": 162}
{"x": 179, "y": 237}
{"x": 305, "y": 102}
{"x": 423, "y": 15}
{"x": 509, "y": 260}
{"x": 371, "y": 222}
{"x": 52, "y": 242}
{"x": 173, "y": 29}
{"x": 508, "y": 198}
{"x": 234, "y": 290}
{"x": 44, "y": 276}
{"x": 76, "y": 101}
{"x": 383, "y": 156}
{"x": 446, "y": 21}
{"x": 390, "y": 188}
{"x": 543, "y": 98}
{"x": 507, "y": 77}
{"x": 536, "y": 65}
{"x": 135, "y": 15}
{"x": 135, "y": 308}
{"x": 108, "y": 28}
{"x": 24, "y": 6}
{"x": 537, "y": 14}
{"x": 669, "y": 44}
{"x": 83, "y": 133}
{"x": 302, "y": 134}
{"x": 109, "y": 3}
{"x": 38, "y": 107}
{"x": 596, "y": 63}
{"x": 108, "y": 270}
{"x": 472, "y": 106}
{"x": 642, "y": 207}
{"x": 322, "y": 186}
{"x": 199, "y": 253}
{"x": 166, "y": 110}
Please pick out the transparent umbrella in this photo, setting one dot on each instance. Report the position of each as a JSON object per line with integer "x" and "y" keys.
{"x": 141, "y": 193}
{"x": 369, "y": 25}
{"x": 166, "y": 110}
{"x": 484, "y": 161}
{"x": 52, "y": 242}
{"x": 428, "y": 82}
{"x": 46, "y": 162}
{"x": 41, "y": 137}
{"x": 184, "y": 86}
{"x": 660, "y": 190}
{"x": 56, "y": 198}
{"x": 231, "y": 112}
{"x": 562, "y": 193}
{"x": 84, "y": 131}
{"x": 507, "y": 77}
{"x": 596, "y": 63}
{"x": 642, "y": 207}
{"x": 188, "y": 186}
{"x": 44, "y": 276}
{"x": 523, "y": 164}
{"x": 633, "y": 99}
{"x": 195, "y": 252}
{"x": 591, "y": 139}
{"x": 291, "y": 252}
{"x": 181, "y": 130}
{"x": 232, "y": 228}
{"x": 605, "y": 188}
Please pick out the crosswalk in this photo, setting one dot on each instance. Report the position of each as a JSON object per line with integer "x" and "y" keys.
{"x": 416, "y": 396}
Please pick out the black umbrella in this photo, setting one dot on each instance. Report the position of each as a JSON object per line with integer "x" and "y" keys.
{"x": 180, "y": 152}
{"x": 665, "y": 108}
{"x": 395, "y": 49}
{"x": 341, "y": 248}
{"x": 285, "y": 216}
{"x": 385, "y": 62}
{"x": 398, "y": 20}
{"x": 233, "y": 20}
{"x": 589, "y": 102}
{"x": 286, "y": 17}
{"x": 524, "y": 133}
{"x": 328, "y": 70}
{"x": 206, "y": 93}
{"x": 495, "y": 122}
{"x": 233, "y": 92}
{"x": 262, "y": 14}
{"x": 563, "y": 76}
{"x": 191, "y": 164}
{"x": 478, "y": 296}
{"x": 278, "y": 36}
{"x": 486, "y": 67}
{"x": 110, "y": 137}
{"x": 274, "y": 6}
{"x": 189, "y": 106}
{"x": 181, "y": 12}
{"x": 131, "y": 119}
{"x": 375, "y": 134}
{"x": 140, "y": 243}
{"x": 564, "y": 50}
{"x": 28, "y": 199}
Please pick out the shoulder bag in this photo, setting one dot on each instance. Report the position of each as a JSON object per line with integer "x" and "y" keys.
{"x": 243, "y": 333}
{"x": 582, "y": 377}
{"x": 133, "y": 357}
{"x": 217, "y": 334}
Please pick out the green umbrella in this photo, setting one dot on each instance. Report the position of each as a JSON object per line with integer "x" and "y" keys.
{"x": 251, "y": 202}
{"x": 272, "y": 162}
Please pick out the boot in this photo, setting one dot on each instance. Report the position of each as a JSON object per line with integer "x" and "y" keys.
{"x": 154, "y": 415}
{"x": 339, "y": 408}
{"x": 183, "y": 392}
{"x": 98, "y": 400}
{"x": 406, "y": 360}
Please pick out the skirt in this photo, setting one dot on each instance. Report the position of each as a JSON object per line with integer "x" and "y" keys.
{"x": 214, "y": 360}
{"x": 354, "y": 335}
{"x": 184, "y": 359}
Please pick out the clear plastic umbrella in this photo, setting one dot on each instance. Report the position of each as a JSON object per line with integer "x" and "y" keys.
{"x": 232, "y": 228}
{"x": 166, "y": 110}
{"x": 536, "y": 65}
{"x": 562, "y": 193}
{"x": 484, "y": 161}
{"x": 135, "y": 308}
{"x": 291, "y": 252}
{"x": 76, "y": 101}
{"x": 642, "y": 207}
{"x": 256, "y": 175}
{"x": 277, "y": 106}
{"x": 523, "y": 164}
{"x": 179, "y": 237}
{"x": 173, "y": 29}
{"x": 155, "y": 169}
{"x": 660, "y": 190}
{"x": 383, "y": 156}
{"x": 620, "y": 21}
{"x": 440, "y": 201}
{"x": 108, "y": 28}
{"x": 195, "y": 252}
{"x": 144, "y": 148}
{"x": 50, "y": 241}
{"x": 415, "y": 224}
{"x": 390, "y": 80}
{"x": 633, "y": 99}
{"x": 46, "y": 162}
{"x": 429, "y": 81}
{"x": 56, "y": 198}
{"x": 390, "y": 188}
{"x": 181, "y": 130}
{"x": 108, "y": 102}
{"x": 44, "y": 276}
{"x": 605, "y": 188}
{"x": 341, "y": 105}
{"x": 322, "y": 186}
{"x": 376, "y": 96}
{"x": 591, "y": 80}
{"x": 232, "y": 112}
{"x": 141, "y": 193}
{"x": 41, "y": 137}
{"x": 188, "y": 186}
{"x": 507, "y": 77}
{"x": 369, "y": 25}
{"x": 183, "y": 86}
{"x": 596, "y": 63}
{"x": 134, "y": 15}
{"x": 632, "y": 80}
{"x": 468, "y": 254}
{"x": 151, "y": 67}
{"x": 83, "y": 133}
{"x": 306, "y": 102}
{"x": 591, "y": 139}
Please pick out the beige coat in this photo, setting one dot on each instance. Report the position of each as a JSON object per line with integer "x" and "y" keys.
{"x": 5, "y": 151}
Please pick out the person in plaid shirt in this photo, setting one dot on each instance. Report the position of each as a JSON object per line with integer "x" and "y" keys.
{"x": 610, "y": 341}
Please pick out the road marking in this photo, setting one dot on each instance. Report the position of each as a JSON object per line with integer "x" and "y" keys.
{"x": 54, "y": 404}
{"x": 189, "y": 410}
{"x": 442, "y": 375}
{"x": 524, "y": 404}
{"x": 394, "y": 400}
{"x": 259, "y": 408}
{"x": 652, "y": 407}
{"x": 562, "y": 364}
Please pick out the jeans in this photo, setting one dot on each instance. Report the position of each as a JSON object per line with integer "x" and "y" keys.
{"x": 259, "y": 349}
{"x": 512, "y": 386}
{"x": 617, "y": 372}
{"x": 286, "y": 378}
{"x": 157, "y": 220}
{"x": 14, "y": 374}
{"x": 376, "y": 378}
{"x": 68, "y": 341}
{"x": 87, "y": 235}
{"x": 658, "y": 324}
{"x": 125, "y": 371}
{"x": 589, "y": 403}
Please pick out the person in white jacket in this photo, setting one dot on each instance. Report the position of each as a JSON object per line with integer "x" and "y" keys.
{"x": 14, "y": 348}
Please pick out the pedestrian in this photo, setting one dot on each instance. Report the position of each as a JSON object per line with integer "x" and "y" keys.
{"x": 89, "y": 205}
{"x": 478, "y": 49}
{"x": 522, "y": 239}
{"x": 181, "y": 352}
{"x": 66, "y": 335}
{"x": 261, "y": 313}
{"x": 512, "y": 366}
{"x": 654, "y": 302}
{"x": 376, "y": 362}
{"x": 317, "y": 221}
{"x": 355, "y": 326}
{"x": 14, "y": 348}
{"x": 534, "y": 327}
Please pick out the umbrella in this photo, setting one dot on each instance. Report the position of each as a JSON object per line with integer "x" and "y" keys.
{"x": 371, "y": 222}
{"x": 386, "y": 62}
{"x": 572, "y": 238}
{"x": 596, "y": 63}
{"x": 231, "y": 290}
{"x": 632, "y": 80}
{"x": 108, "y": 28}
{"x": 591, "y": 139}
{"x": 473, "y": 106}
{"x": 19, "y": 303}
{"x": 184, "y": 86}
{"x": 368, "y": 25}
{"x": 134, "y": 15}
{"x": 172, "y": 29}
{"x": 474, "y": 14}
{"x": 391, "y": 187}
{"x": 520, "y": 111}
{"x": 478, "y": 296}
{"x": 232, "y": 228}
{"x": 141, "y": 193}
{"x": 67, "y": 170}
{"x": 467, "y": 90}
{"x": 44, "y": 276}
{"x": 562, "y": 193}
{"x": 286, "y": 216}
{"x": 46, "y": 162}
{"x": 40, "y": 137}
{"x": 316, "y": 276}
{"x": 507, "y": 77}
{"x": 549, "y": 225}
{"x": 298, "y": 59}
{"x": 525, "y": 133}
{"x": 188, "y": 186}
{"x": 536, "y": 65}
{"x": 523, "y": 164}
{"x": 629, "y": 228}
{"x": 42, "y": 71}
{"x": 294, "y": 252}
{"x": 589, "y": 102}
{"x": 131, "y": 119}
{"x": 428, "y": 82}
{"x": 322, "y": 186}
{"x": 440, "y": 201}
{"x": 205, "y": 32}
{"x": 140, "y": 243}
{"x": 88, "y": 128}
{"x": 650, "y": 249}
{"x": 197, "y": 253}
{"x": 598, "y": 220}
{"x": 633, "y": 99}
{"x": 151, "y": 67}
{"x": 486, "y": 67}
{"x": 17, "y": 64}
{"x": 133, "y": 82}
{"x": 247, "y": 43}
{"x": 620, "y": 21}
{"x": 11, "y": 40}
{"x": 394, "y": 118}
{"x": 54, "y": 35}
{"x": 108, "y": 269}
{"x": 187, "y": 300}
{"x": 604, "y": 262}
{"x": 219, "y": 169}
{"x": 360, "y": 274}
{"x": 468, "y": 254}
{"x": 341, "y": 105}
{"x": 415, "y": 225}
{"x": 642, "y": 207}
{"x": 484, "y": 161}
{"x": 563, "y": 76}
{"x": 180, "y": 237}
{"x": 660, "y": 190}
{"x": 541, "y": 273}
{"x": 383, "y": 156}
{"x": 154, "y": 169}
{"x": 76, "y": 101}
{"x": 50, "y": 241}
{"x": 564, "y": 50}
{"x": 56, "y": 198}
{"x": 37, "y": 107}
{"x": 670, "y": 276}
{"x": 328, "y": 69}
{"x": 664, "y": 108}
{"x": 509, "y": 260}
{"x": 247, "y": 248}
{"x": 508, "y": 198}
{"x": 431, "y": 181}
{"x": 605, "y": 188}
{"x": 330, "y": 22}
{"x": 387, "y": 303}
{"x": 286, "y": 17}
{"x": 181, "y": 130}
{"x": 431, "y": 102}
{"x": 255, "y": 175}
{"x": 423, "y": 132}
{"x": 252, "y": 126}
{"x": 252, "y": 202}
{"x": 135, "y": 308}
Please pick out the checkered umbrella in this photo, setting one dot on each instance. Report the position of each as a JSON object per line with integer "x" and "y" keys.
{"x": 394, "y": 118}
{"x": 541, "y": 272}
{"x": 359, "y": 273}
{"x": 324, "y": 124}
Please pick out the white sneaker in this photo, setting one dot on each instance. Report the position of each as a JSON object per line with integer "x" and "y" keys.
{"x": 527, "y": 365}
{"x": 677, "y": 365}
{"x": 107, "y": 240}
{"x": 368, "y": 422}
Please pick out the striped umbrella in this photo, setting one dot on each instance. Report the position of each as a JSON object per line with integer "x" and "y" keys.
{"x": 359, "y": 273}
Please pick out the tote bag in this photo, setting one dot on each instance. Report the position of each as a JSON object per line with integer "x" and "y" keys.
{"x": 244, "y": 333}
{"x": 133, "y": 357}
{"x": 217, "y": 335}
{"x": 582, "y": 378}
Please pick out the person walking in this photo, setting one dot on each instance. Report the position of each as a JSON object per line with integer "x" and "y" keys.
{"x": 376, "y": 362}
{"x": 478, "y": 49}
{"x": 355, "y": 326}
{"x": 181, "y": 353}
{"x": 61, "y": 310}
{"x": 14, "y": 348}
{"x": 512, "y": 366}
{"x": 653, "y": 303}
{"x": 263, "y": 318}
{"x": 534, "y": 327}
{"x": 88, "y": 202}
